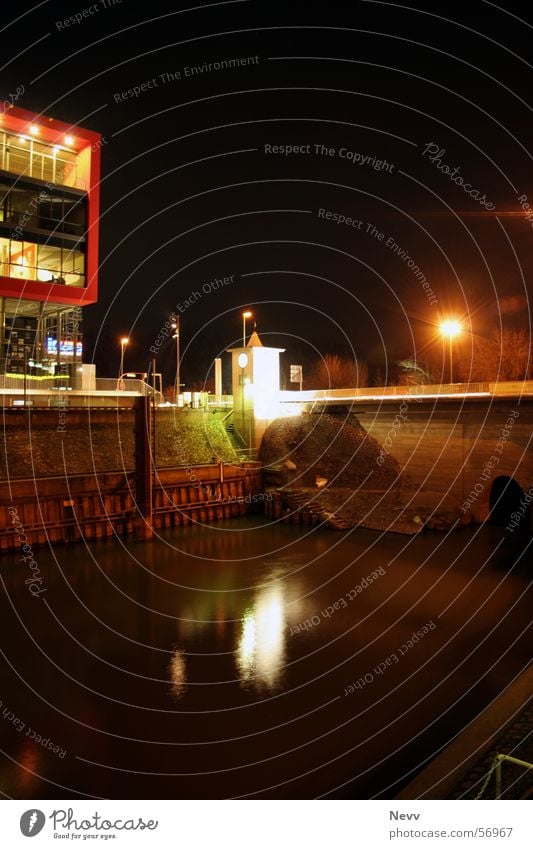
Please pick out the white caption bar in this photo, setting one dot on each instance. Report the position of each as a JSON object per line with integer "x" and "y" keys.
{"x": 266, "y": 824}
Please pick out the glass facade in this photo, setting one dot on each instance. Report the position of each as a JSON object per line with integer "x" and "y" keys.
{"x": 28, "y": 206}
{"x": 25, "y": 260}
{"x": 49, "y": 198}
{"x": 50, "y": 163}
{"x": 30, "y": 344}
{"x": 42, "y": 233}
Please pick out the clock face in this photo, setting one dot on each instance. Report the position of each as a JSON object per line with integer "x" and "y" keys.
{"x": 242, "y": 359}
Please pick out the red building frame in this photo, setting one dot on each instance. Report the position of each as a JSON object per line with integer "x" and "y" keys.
{"x": 86, "y": 144}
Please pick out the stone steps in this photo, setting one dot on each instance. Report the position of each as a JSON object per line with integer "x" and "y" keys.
{"x": 298, "y": 501}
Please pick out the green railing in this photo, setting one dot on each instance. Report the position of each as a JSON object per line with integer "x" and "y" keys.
{"x": 496, "y": 770}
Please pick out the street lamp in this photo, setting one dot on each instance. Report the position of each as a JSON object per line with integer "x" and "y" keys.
{"x": 450, "y": 328}
{"x": 176, "y": 326}
{"x": 123, "y": 342}
{"x": 245, "y": 315}
{"x": 242, "y": 361}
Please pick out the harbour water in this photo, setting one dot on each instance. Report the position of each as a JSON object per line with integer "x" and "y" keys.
{"x": 253, "y": 659}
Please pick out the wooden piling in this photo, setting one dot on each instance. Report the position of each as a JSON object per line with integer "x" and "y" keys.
{"x": 143, "y": 468}
{"x": 102, "y": 504}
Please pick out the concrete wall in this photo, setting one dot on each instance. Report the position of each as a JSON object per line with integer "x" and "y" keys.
{"x": 456, "y": 447}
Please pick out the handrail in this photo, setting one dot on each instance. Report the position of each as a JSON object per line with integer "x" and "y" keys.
{"x": 496, "y": 768}
{"x": 240, "y": 437}
{"x": 489, "y": 388}
{"x": 228, "y": 414}
{"x": 498, "y": 760}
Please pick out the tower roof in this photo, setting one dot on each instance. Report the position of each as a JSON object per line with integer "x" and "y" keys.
{"x": 254, "y": 341}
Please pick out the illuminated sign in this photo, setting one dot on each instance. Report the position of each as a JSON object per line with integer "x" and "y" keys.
{"x": 66, "y": 348}
{"x": 296, "y": 374}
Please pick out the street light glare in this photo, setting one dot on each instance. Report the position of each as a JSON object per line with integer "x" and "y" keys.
{"x": 247, "y": 314}
{"x": 451, "y": 327}
{"x": 124, "y": 340}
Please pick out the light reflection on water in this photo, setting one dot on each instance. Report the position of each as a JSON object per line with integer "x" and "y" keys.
{"x": 260, "y": 652}
{"x": 218, "y": 649}
{"x": 178, "y": 674}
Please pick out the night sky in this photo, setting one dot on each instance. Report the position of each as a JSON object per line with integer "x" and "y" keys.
{"x": 190, "y": 194}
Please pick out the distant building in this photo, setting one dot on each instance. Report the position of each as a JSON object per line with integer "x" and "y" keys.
{"x": 49, "y": 212}
{"x": 255, "y": 387}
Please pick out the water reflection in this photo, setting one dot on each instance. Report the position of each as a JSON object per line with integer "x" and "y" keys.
{"x": 29, "y": 765}
{"x": 229, "y": 621}
{"x": 178, "y": 674}
{"x": 260, "y": 653}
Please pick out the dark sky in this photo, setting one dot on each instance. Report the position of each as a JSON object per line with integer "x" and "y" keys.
{"x": 189, "y": 194}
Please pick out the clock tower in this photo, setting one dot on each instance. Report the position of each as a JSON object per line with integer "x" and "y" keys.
{"x": 255, "y": 387}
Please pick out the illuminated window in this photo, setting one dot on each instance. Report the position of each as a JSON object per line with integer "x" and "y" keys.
{"x": 4, "y": 257}
{"x": 50, "y": 163}
{"x": 23, "y": 259}
{"x": 73, "y": 267}
{"x": 46, "y": 263}
{"x": 49, "y": 264}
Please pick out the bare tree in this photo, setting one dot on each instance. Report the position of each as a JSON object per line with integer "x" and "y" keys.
{"x": 413, "y": 373}
{"x": 362, "y": 373}
{"x": 335, "y": 372}
{"x": 503, "y": 355}
{"x": 379, "y": 377}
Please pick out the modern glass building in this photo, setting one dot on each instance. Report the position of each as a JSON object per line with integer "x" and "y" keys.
{"x": 49, "y": 211}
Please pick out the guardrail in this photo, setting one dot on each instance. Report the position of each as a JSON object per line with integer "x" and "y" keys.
{"x": 496, "y": 769}
{"x": 18, "y": 384}
{"x": 56, "y": 390}
{"x": 514, "y": 388}
{"x": 43, "y": 390}
{"x": 219, "y": 400}
{"x": 130, "y": 384}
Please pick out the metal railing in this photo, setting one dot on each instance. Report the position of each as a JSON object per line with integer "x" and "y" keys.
{"x": 53, "y": 390}
{"x": 219, "y": 400}
{"x": 504, "y": 387}
{"x": 496, "y": 769}
{"x": 54, "y": 386}
{"x": 35, "y": 382}
{"x": 127, "y": 386}
{"x": 499, "y": 759}
{"x": 111, "y": 384}
{"x": 34, "y": 159}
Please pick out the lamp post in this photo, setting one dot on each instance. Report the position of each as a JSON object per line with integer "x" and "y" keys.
{"x": 245, "y": 315}
{"x": 450, "y": 328}
{"x": 176, "y": 326}
{"x": 123, "y": 342}
{"x": 242, "y": 361}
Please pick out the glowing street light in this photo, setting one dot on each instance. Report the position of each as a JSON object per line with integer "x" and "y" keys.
{"x": 450, "y": 328}
{"x": 123, "y": 342}
{"x": 245, "y": 315}
{"x": 176, "y": 336}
